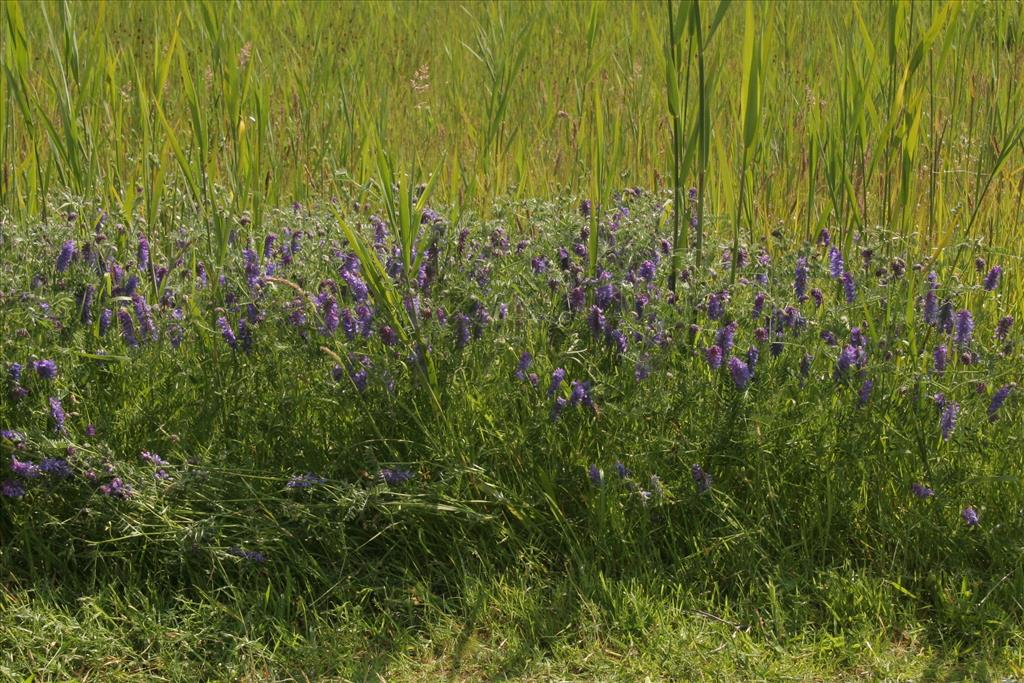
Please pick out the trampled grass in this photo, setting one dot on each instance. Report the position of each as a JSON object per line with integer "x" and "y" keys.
{"x": 542, "y": 341}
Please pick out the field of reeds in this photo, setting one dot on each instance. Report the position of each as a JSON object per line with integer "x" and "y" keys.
{"x": 544, "y": 341}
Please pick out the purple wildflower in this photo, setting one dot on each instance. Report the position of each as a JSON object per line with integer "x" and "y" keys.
{"x": 580, "y": 394}
{"x": 461, "y": 330}
{"x": 576, "y": 299}
{"x": 701, "y": 478}
{"x": 800, "y": 280}
{"x": 14, "y": 371}
{"x": 716, "y": 304}
{"x": 931, "y": 301}
{"x": 46, "y": 369}
{"x": 12, "y": 489}
{"x": 713, "y": 354}
{"x": 524, "y": 364}
{"x": 250, "y": 555}
{"x": 356, "y": 286}
{"x": 143, "y": 252}
{"x": 152, "y": 458}
{"x": 557, "y": 407}
{"x": 622, "y": 471}
{"x": 740, "y": 372}
{"x": 67, "y": 252}
{"x": 226, "y": 332}
{"x": 23, "y": 468}
{"x": 940, "y": 356}
{"x": 57, "y": 468}
{"x": 849, "y": 287}
{"x": 539, "y": 265}
{"x": 116, "y": 488}
{"x": 359, "y": 377}
{"x": 145, "y": 316}
{"x": 824, "y": 237}
{"x": 127, "y": 328}
{"x": 557, "y": 377}
{"x": 847, "y": 357}
{"x": 57, "y": 414}
{"x": 865, "y": 392}
{"x": 921, "y": 491}
{"x": 596, "y": 475}
{"x": 947, "y": 423}
{"x": 329, "y": 310}
{"x": 605, "y": 296}
{"x": 596, "y": 321}
{"x": 106, "y": 317}
{"x": 585, "y": 208}
{"x": 970, "y": 516}
{"x": 835, "y": 263}
{"x": 1003, "y": 327}
{"x": 992, "y": 279}
{"x": 304, "y": 481}
{"x": 997, "y": 401}
{"x": 647, "y": 270}
{"x": 964, "y": 327}
{"x": 620, "y": 340}
{"x": 395, "y": 476}
{"x": 818, "y": 297}
{"x": 758, "y": 305}
{"x": 725, "y": 338}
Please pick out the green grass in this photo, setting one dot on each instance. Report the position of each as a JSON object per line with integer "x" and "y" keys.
{"x": 476, "y": 133}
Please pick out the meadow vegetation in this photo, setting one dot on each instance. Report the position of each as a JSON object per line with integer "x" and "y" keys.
{"x": 514, "y": 340}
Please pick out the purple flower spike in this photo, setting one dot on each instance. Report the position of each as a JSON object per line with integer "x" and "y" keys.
{"x": 970, "y": 516}
{"x": 992, "y": 279}
{"x": 143, "y": 252}
{"x": 57, "y": 414}
{"x": 46, "y": 369}
{"x": 596, "y": 475}
{"x": 964, "y": 327}
{"x": 24, "y": 469}
{"x": 226, "y": 332}
{"x": 116, "y": 488}
{"x": 557, "y": 377}
{"x": 12, "y": 489}
{"x": 849, "y": 287}
{"x": 740, "y": 372}
{"x": 713, "y": 354}
{"x": 596, "y": 321}
{"x": 921, "y": 491}
{"x": 395, "y": 476}
{"x": 864, "y": 394}
{"x": 835, "y": 263}
{"x": 701, "y": 478}
{"x": 947, "y": 423}
{"x": 847, "y": 357}
{"x": 1003, "y": 327}
{"x": 800, "y": 280}
{"x": 998, "y": 399}
{"x": 931, "y": 300}
{"x": 524, "y": 364}
{"x": 127, "y": 328}
{"x": 725, "y": 338}
{"x": 67, "y": 252}
{"x": 557, "y": 407}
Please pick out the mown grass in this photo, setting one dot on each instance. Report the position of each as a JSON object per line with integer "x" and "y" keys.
{"x": 358, "y": 484}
